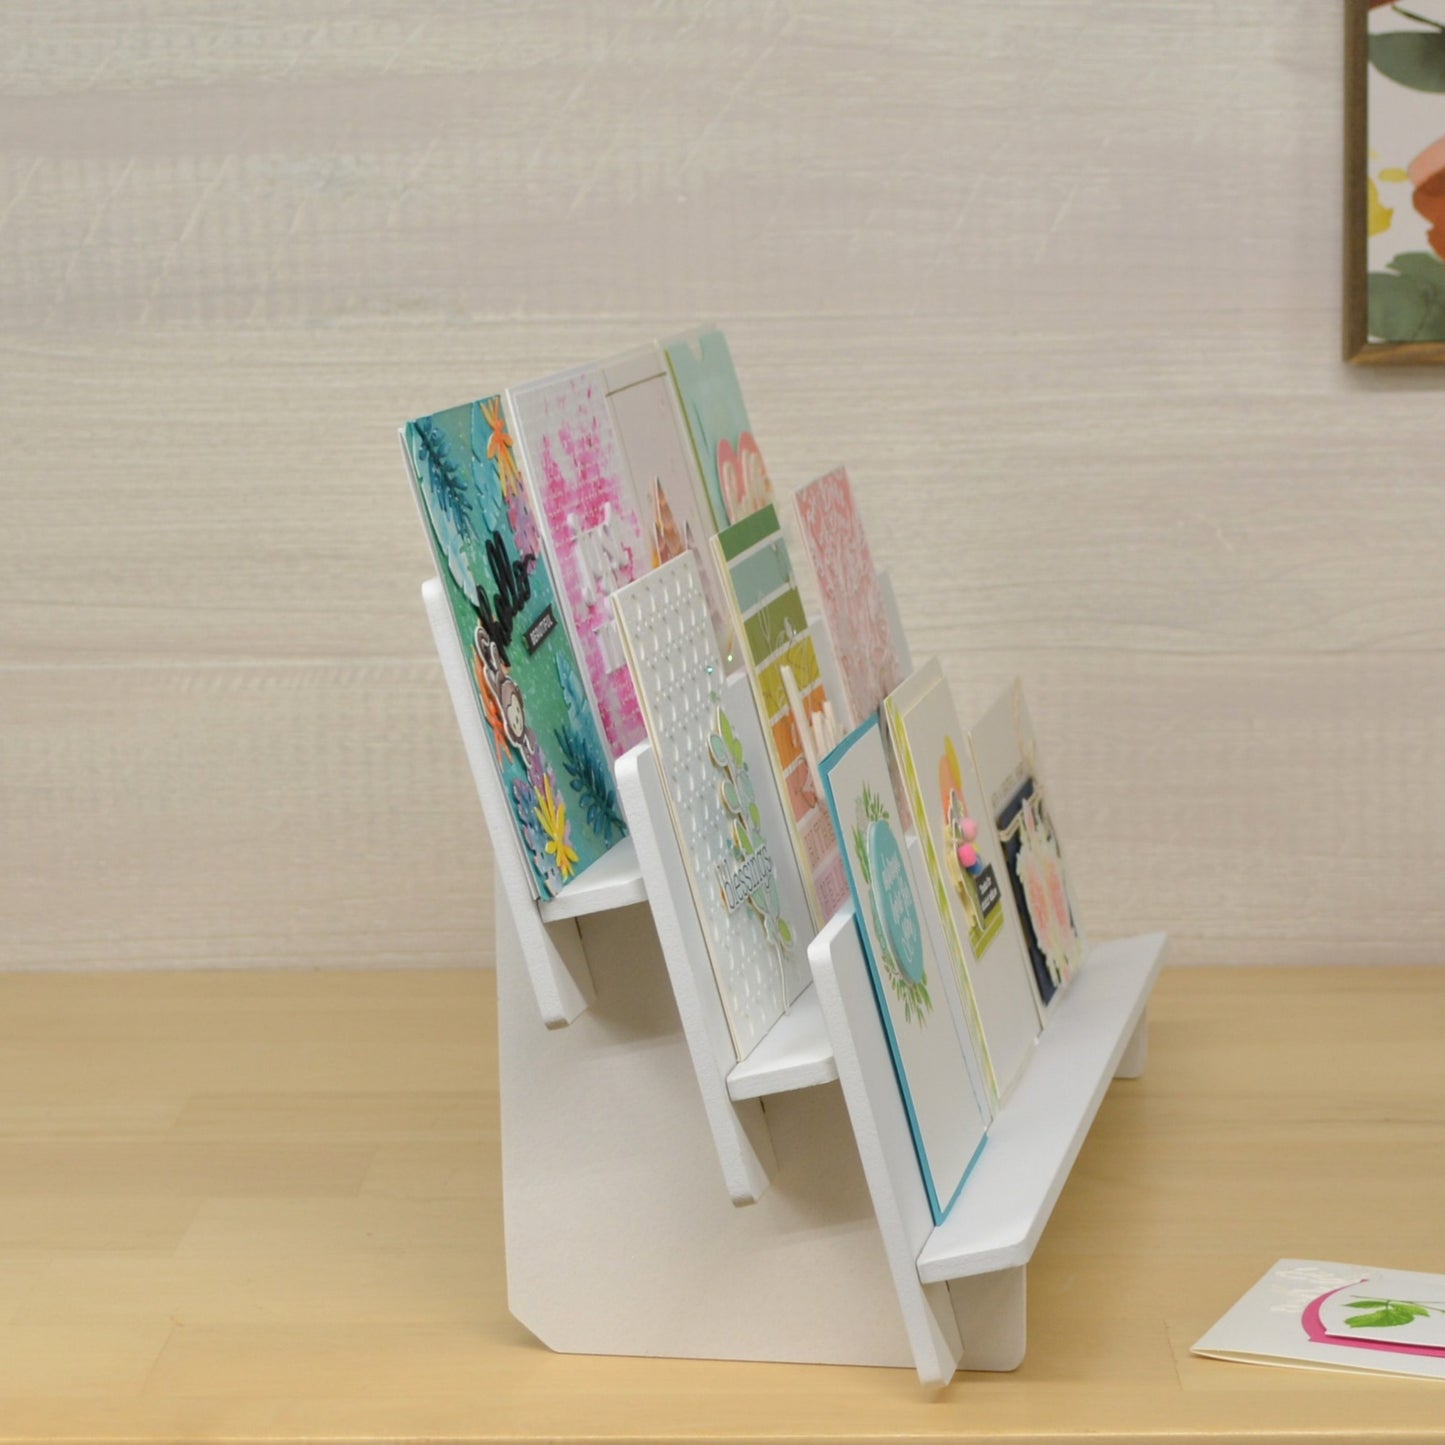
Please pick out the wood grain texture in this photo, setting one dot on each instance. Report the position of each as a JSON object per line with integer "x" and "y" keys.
{"x": 1058, "y": 283}
{"x": 347, "y": 1282}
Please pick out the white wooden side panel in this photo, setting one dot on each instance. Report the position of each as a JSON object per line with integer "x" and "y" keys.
{"x": 619, "y": 1238}
{"x": 880, "y": 1126}
{"x": 739, "y": 1131}
{"x": 556, "y": 962}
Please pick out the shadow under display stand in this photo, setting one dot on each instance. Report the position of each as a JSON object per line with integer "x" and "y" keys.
{"x": 622, "y": 1098}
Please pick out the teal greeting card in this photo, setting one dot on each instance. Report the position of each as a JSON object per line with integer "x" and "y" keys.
{"x": 555, "y": 769}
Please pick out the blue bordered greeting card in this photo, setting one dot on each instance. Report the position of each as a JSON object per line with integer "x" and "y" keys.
{"x": 931, "y": 1057}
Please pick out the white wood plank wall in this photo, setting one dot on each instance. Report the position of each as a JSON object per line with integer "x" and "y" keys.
{"x": 1058, "y": 280}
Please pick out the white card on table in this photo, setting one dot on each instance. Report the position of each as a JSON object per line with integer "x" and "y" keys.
{"x": 930, "y": 1050}
{"x": 725, "y": 808}
{"x": 1336, "y": 1317}
{"x": 966, "y": 874}
{"x": 1006, "y": 757}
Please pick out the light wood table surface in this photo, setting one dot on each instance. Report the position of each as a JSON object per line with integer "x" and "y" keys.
{"x": 266, "y": 1206}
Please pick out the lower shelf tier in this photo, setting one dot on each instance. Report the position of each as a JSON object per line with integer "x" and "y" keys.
{"x": 952, "y": 1277}
{"x": 1032, "y": 1144}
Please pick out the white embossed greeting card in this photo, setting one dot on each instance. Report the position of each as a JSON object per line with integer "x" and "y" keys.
{"x": 721, "y": 795}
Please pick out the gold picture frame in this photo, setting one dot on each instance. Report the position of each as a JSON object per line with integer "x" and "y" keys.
{"x": 1395, "y": 79}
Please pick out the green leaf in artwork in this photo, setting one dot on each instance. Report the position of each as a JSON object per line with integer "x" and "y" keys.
{"x": 730, "y": 797}
{"x": 1393, "y": 1314}
{"x": 1411, "y": 57}
{"x": 1407, "y": 302}
{"x": 717, "y": 747}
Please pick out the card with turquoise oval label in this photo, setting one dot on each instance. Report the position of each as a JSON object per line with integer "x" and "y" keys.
{"x": 914, "y": 987}
{"x": 897, "y": 915}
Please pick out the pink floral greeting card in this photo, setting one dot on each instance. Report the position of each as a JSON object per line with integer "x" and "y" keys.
{"x": 848, "y": 589}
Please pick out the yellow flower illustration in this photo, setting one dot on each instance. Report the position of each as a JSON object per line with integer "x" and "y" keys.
{"x": 499, "y": 448}
{"x": 552, "y": 815}
{"x": 1380, "y": 215}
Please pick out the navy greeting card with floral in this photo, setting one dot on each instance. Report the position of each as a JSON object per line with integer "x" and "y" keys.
{"x": 549, "y": 753}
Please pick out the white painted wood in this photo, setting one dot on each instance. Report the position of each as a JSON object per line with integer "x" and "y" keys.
{"x": 795, "y": 1054}
{"x": 961, "y": 1284}
{"x": 619, "y": 1238}
{"x": 613, "y": 881}
{"x": 885, "y": 1147}
{"x": 992, "y": 1315}
{"x": 1034, "y": 1140}
{"x": 738, "y": 1131}
{"x": 1136, "y": 1053}
{"x": 556, "y": 961}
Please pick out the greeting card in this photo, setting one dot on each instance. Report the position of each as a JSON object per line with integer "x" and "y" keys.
{"x": 849, "y": 592}
{"x": 768, "y": 616}
{"x": 966, "y": 873}
{"x": 725, "y": 809}
{"x": 722, "y": 436}
{"x": 911, "y": 984}
{"x": 552, "y": 761}
{"x": 1006, "y": 756}
{"x": 595, "y": 542}
{"x": 657, "y": 451}
{"x": 1336, "y": 1317}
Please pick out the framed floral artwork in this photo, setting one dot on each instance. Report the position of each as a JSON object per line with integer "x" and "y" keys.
{"x": 1395, "y": 182}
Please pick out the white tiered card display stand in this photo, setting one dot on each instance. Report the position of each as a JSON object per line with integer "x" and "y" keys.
{"x": 662, "y": 1199}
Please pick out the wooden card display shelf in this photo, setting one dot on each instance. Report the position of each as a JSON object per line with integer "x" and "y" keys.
{"x": 661, "y": 1198}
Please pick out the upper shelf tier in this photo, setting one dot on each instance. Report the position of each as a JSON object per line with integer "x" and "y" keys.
{"x": 613, "y": 881}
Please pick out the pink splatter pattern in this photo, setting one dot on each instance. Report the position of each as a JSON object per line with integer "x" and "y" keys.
{"x": 849, "y": 591}
{"x": 597, "y": 539}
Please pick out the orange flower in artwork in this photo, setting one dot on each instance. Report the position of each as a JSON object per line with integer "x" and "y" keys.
{"x": 1427, "y": 175}
{"x": 499, "y": 448}
{"x": 490, "y": 709}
